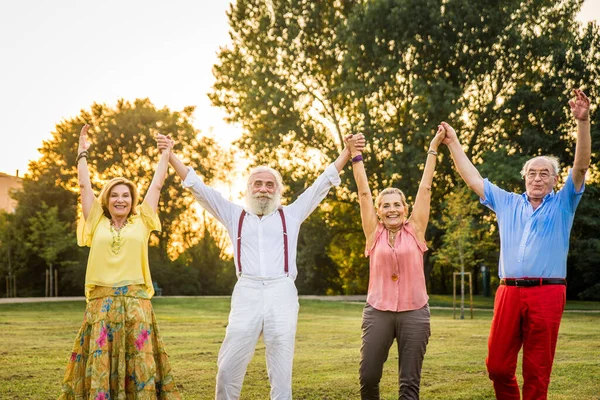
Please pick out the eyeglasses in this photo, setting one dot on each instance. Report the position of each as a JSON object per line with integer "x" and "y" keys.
{"x": 542, "y": 174}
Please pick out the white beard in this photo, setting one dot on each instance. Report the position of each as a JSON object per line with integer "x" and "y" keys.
{"x": 261, "y": 203}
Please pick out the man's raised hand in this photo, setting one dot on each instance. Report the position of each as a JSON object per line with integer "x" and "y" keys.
{"x": 580, "y": 106}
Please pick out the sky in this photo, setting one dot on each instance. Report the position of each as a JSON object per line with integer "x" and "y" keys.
{"x": 61, "y": 56}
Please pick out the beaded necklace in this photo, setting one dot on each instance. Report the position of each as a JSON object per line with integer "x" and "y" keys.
{"x": 117, "y": 241}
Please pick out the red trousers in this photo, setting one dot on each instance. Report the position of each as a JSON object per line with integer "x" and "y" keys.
{"x": 528, "y": 317}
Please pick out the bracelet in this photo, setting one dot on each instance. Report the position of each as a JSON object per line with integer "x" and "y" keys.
{"x": 83, "y": 154}
{"x": 431, "y": 151}
{"x": 357, "y": 158}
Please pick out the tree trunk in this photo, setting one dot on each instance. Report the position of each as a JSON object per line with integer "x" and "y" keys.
{"x": 462, "y": 281}
{"x": 51, "y": 280}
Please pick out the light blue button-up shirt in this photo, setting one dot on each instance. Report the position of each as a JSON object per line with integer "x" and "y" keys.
{"x": 533, "y": 244}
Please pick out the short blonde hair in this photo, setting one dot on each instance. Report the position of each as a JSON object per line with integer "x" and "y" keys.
{"x": 551, "y": 159}
{"x": 390, "y": 190}
{"x": 272, "y": 171}
{"x": 105, "y": 194}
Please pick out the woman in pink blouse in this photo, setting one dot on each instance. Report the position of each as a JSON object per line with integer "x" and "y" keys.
{"x": 397, "y": 299}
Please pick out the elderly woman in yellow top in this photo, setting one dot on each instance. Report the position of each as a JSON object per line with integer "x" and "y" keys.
{"x": 118, "y": 353}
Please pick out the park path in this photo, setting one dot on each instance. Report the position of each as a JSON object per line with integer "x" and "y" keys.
{"x": 349, "y": 299}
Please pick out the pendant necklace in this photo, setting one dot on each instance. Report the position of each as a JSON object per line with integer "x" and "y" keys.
{"x": 117, "y": 241}
{"x": 392, "y": 241}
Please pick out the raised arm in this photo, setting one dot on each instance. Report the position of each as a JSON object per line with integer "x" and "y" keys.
{"x": 342, "y": 159}
{"x": 420, "y": 214}
{"x": 177, "y": 164}
{"x": 465, "y": 167}
{"x": 160, "y": 174}
{"x": 83, "y": 173}
{"x": 580, "y": 107}
{"x": 368, "y": 215}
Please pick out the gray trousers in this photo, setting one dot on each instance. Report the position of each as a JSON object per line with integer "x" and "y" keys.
{"x": 411, "y": 330}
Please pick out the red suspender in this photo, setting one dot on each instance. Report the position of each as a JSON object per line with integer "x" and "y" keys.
{"x": 239, "y": 240}
{"x": 285, "y": 244}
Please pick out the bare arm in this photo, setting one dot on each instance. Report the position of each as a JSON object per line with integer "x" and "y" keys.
{"x": 177, "y": 164}
{"x": 160, "y": 174}
{"x": 83, "y": 173}
{"x": 420, "y": 214}
{"x": 342, "y": 159}
{"x": 580, "y": 107}
{"x": 465, "y": 167}
{"x": 368, "y": 215}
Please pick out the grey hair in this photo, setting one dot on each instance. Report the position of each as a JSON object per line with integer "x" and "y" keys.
{"x": 551, "y": 159}
{"x": 272, "y": 171}
{"x": 390, "y": 190}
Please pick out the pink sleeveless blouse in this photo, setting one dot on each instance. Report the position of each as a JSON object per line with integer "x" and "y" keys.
{"x": 396, "y": 276}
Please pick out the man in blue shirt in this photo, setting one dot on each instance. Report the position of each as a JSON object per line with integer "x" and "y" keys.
{"x": 534, "y": 242}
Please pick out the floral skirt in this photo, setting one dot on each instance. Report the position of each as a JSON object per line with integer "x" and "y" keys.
{"x": 118, "y": 353}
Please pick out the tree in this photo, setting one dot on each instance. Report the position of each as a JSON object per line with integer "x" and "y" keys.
{"x": 13, "y": 256}
{"x": 299, "y": 75}
{"x": 123, "y": 144}
{"x": 466, "y": 242}
{"x": 49, "y": 237}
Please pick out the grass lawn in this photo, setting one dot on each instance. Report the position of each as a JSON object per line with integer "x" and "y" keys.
{"x": 36, "y": 340}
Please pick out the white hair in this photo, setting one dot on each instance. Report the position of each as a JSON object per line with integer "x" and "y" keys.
{"x": 551, "y": 159}
{"x": 272, "y": 171}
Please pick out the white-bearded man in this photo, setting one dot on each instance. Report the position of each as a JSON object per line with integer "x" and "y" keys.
{"x": 265, "y": 300}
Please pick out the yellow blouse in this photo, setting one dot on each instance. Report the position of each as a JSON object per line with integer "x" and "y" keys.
{"x": 128, "y": 266}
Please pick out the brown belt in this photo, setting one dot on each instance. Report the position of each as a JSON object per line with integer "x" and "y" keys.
{"x": 528, "y": 282}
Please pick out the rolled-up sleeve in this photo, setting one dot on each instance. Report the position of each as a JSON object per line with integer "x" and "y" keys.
{"x": 306, "y": 203}
{"x": 211, "y": 200}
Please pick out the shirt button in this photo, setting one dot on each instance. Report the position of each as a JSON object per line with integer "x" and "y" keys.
{"x": 394, "y": 277}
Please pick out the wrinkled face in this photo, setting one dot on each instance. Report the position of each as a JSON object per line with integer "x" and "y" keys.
{"x": 539, "y": 179}
{"x": 119, "y": 201}
{"x": 391, "y": 211}
{"x": 263, "y": 195}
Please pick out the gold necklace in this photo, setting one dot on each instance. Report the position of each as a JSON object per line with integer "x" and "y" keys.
{"x": 117, "y": 241}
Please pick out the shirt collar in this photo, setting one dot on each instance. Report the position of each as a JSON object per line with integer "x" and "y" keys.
{"x": 546, "y": 197}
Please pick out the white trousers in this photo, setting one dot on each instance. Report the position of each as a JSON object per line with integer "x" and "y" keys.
{"x": 259, "y": 305}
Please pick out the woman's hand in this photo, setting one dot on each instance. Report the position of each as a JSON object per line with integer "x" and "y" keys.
{"x": 164, "y": 143}
{"x": 439, "y": 137}
{"x": 84, "y": 145}
{"x": 450, "y": 134}
{"x": 355, "y": 143}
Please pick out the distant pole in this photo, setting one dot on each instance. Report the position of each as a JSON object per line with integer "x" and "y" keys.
{"x": 485, "y": 279}
{"x": 454, "y": 295}
{"x": 56, "y": 283}
{"x": 471, "y": 292}
{"x": 462, "y": 282}
{"x": 47, "y": 283}
{"x": 7, "y": 287}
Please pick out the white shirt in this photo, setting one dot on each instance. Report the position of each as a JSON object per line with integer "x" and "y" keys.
{"x": 262, "y": 238}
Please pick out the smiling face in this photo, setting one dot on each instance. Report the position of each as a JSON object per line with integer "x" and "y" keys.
{"x": 120, "y": 201}
{"x": 263, "y": 195}
{"x": 540, "y": 178}
{"x": 392, "y": 210}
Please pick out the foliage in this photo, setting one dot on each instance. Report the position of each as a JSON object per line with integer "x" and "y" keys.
{"x": 49, "y": 236}
{"x": 467, "y": 241}
{"x": 122, "y": 144}
{"x": 300, "y": 75}
{"x": 13, "y": 255}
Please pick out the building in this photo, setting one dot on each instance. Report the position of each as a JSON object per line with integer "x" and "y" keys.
{"x": 7, "y": 184}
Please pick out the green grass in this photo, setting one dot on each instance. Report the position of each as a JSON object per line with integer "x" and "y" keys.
{"x": 36, "y": 339}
